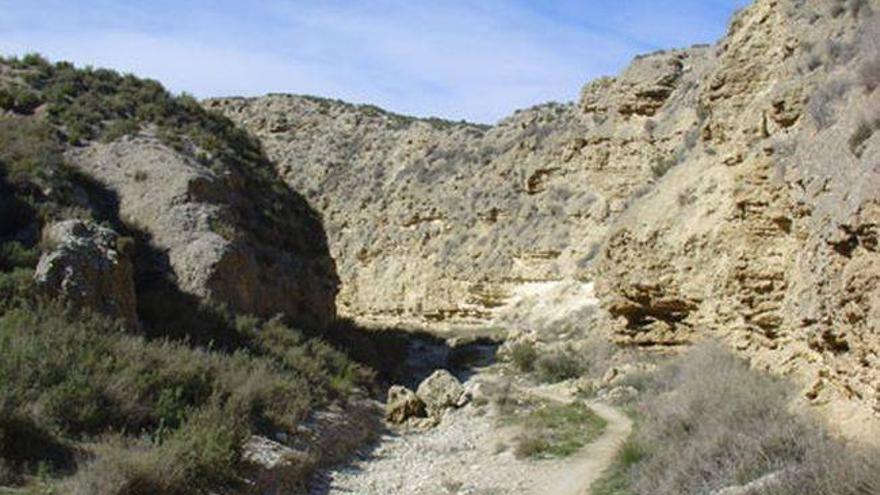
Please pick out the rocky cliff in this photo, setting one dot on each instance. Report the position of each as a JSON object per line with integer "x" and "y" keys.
{"x": 764, "y": 235}
{"x": 438, "y": 222}
{"x": 726, "y": 191}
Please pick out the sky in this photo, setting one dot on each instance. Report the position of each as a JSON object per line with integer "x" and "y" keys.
{"x": 456, "y": 59}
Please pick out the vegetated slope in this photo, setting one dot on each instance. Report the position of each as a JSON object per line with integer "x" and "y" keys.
{"x": 187, "y": 179}
{"x": 730, "y": 190}
{"x": 117, "y": 198}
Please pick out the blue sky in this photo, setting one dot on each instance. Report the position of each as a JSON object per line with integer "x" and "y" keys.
{"x": 458, "y": 59}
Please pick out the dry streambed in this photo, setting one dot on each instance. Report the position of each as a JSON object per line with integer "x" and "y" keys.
{"x": 512, "y": 438}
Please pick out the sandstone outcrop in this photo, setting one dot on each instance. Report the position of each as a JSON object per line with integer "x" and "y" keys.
{"x": 764, "y": 234}
{"x": 86, "y": 267}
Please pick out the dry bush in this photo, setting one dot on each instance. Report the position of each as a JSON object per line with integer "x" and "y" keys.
{"x": 531, "y": 443}
{"x": 869, "y": 74}
{"x": 523, "y": 356}
{"x": 711, "y": 427}
{"x": 558, "y": 365}
{"x": 707, "y": 422}
{"x": 859, "y": 138}
{"x": 822, "y": 104}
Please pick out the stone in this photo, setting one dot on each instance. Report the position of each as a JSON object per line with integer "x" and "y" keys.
{"x": 274, "y": 467}
{"x": 85, "y": 267}
{"x": 440, "y": 391}
{"x": 618, "y": 396}
{"x": 762, "y": 484}
{"x": 402, "y": 405}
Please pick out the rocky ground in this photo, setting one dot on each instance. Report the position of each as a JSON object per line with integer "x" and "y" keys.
{"x": 471, "y": 452}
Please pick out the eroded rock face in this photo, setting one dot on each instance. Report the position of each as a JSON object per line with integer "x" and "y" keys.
{"x": 208, "y": 228}
{"x": 438, "y": 223}
{"x": 765, "y": 233}
{"x": 86, "y": 267}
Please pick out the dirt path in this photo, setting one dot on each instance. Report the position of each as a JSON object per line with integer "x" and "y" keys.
{"x": 575, "y": 476}
{"x": 470, "y": 454}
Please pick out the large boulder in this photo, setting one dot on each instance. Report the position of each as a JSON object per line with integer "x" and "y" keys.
{"x": 86, "y": 268}
{"x": 402, "y": 405}
{"x": 441, "y": 391}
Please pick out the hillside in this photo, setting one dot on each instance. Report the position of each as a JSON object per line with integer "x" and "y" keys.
{"x": 157, "y": 318}
{"x": 718, "y": 191}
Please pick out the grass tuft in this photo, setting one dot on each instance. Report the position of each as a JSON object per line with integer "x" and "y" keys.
{"x": 556, "y": 430}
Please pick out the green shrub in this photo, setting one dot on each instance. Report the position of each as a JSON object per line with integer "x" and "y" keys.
{"x": 118, "y": 129}
{"x": 199, "y": 457}
{"x": 19, "y": 100}
{"x": 79, "y": 377}
{"x": 559, "y": 365}
{"x": 523, "y": 355}
{"x": 14, "y": 254}
{"x": 29, "y": 151}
